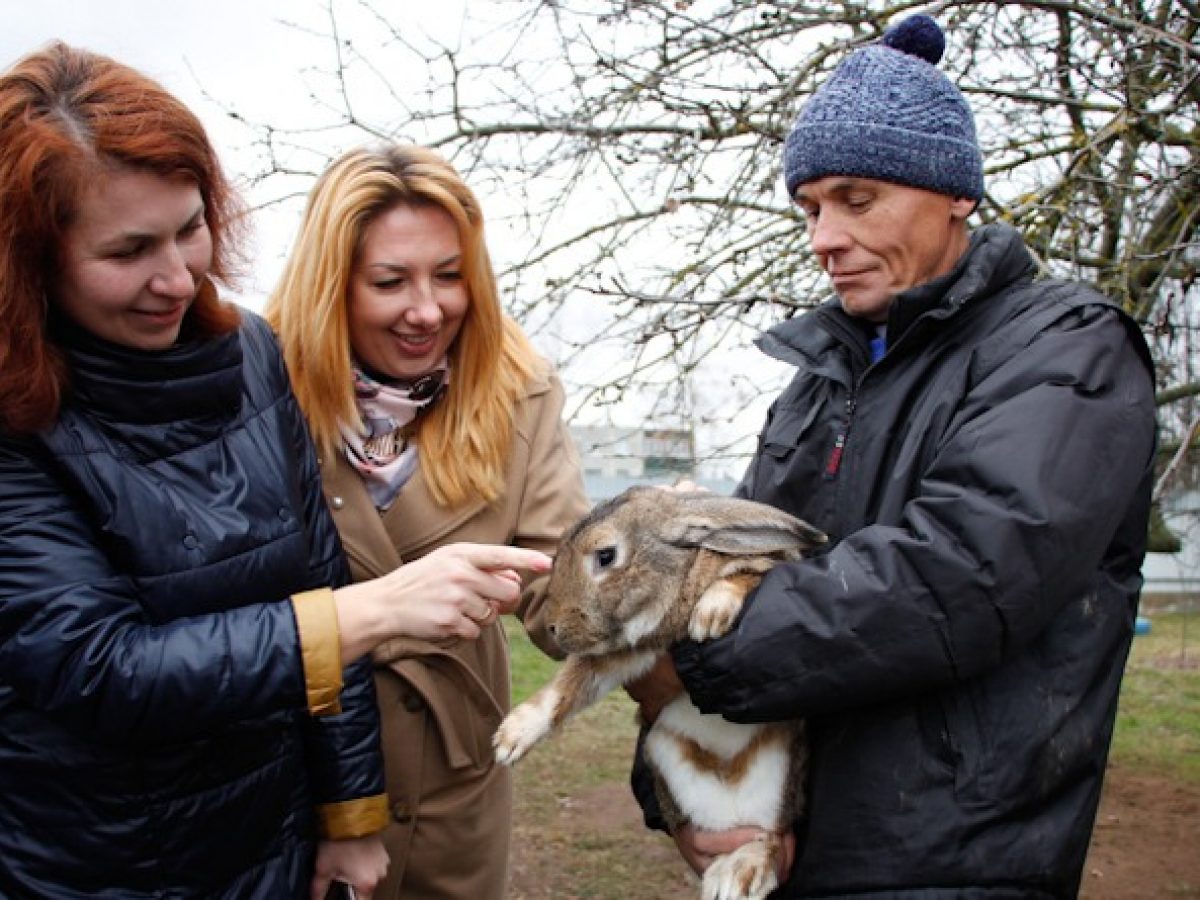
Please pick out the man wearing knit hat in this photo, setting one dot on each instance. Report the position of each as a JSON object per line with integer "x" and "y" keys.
{"x": 978, "y": 445}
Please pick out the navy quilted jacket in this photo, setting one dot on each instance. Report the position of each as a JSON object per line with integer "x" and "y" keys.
{"x": 154, "y": 734}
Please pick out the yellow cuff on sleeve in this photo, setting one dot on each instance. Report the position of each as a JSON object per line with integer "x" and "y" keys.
{"x": 353, "y": 818}
{"x": 320, "y": 650}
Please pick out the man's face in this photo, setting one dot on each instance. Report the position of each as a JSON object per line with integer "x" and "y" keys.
{"x": 875, "y": 239}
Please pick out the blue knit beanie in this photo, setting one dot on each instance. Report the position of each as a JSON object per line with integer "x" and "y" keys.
{"x": 888, "y": 113}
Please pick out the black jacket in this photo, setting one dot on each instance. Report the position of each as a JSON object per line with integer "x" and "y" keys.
{"x": 154, "y": 735}
{"x": 959, "y": 649}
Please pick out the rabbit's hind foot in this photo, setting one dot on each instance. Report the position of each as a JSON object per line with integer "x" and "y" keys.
{"x": 748, "y": 873}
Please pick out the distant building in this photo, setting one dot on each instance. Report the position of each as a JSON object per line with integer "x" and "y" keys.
{"x": 1173, "y": 579}
{"x": 611, "y": 451}
{"x": 615, "y": 458}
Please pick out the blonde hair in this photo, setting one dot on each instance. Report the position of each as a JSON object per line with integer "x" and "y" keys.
{"x": 464, "y": 439}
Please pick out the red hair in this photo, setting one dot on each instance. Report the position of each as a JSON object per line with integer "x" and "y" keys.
{"x": 65, "y": 114}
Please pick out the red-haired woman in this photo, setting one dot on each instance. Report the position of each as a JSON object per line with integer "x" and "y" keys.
{"x": 186, "y": 706}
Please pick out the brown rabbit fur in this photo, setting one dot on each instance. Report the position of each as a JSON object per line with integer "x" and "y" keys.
{"x": 640, "y": 572}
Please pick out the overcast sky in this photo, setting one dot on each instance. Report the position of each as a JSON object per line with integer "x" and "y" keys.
{"x": 212, "y": 54}
{"x": 231, "y": 47}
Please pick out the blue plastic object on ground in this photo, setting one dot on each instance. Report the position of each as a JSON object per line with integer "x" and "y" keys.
{"x": 1141, "y": 625}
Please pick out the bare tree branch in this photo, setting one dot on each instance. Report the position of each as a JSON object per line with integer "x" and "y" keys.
{"x": 628, "y": 154}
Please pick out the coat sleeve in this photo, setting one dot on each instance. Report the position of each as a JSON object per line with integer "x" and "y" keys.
{"x": 1047, "y": 454}
{"x": 552, "y": 499}
{"x": 76, "y": 644}
{"x": 343, "y": 733}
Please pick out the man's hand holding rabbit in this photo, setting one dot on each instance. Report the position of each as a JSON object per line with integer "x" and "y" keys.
{"x": 699, "y": 848}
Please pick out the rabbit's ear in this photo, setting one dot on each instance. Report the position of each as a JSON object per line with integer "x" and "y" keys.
{"x": 765, "y": 538}
{"x": 732, "y": 525}
{"x": 748, "y": 537}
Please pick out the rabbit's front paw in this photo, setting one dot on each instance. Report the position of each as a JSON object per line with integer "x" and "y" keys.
{"x": 715, "y": 611}
{"x": 748, "y": 873}
{"x": 521, "y": 729}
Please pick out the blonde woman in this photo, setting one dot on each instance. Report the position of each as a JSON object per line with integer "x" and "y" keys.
{"x": 436, "y": 422}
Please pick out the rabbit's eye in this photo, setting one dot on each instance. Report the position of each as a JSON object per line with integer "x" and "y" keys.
{"x": 605, "y": 557}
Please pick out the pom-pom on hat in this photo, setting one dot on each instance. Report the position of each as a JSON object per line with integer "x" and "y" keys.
{"x": 887, "y": 112}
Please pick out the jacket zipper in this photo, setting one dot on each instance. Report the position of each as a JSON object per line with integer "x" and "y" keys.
{"x": 847, "y": 336}
{"x": 834, "y": 463}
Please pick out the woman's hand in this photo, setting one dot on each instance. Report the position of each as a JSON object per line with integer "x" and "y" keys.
{"x": 453, "y": 592}
{"x": 359, "y": 862}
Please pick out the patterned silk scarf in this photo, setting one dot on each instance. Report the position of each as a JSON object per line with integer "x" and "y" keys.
{"x": 378, "y": 447}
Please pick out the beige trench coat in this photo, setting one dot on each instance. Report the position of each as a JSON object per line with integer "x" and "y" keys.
{"x": 440, "y": 702}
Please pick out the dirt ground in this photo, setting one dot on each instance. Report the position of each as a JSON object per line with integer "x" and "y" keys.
{"x": 1146, "y": 844}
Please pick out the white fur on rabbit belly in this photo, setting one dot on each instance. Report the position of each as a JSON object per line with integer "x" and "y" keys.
{"x": 707, "y": 801}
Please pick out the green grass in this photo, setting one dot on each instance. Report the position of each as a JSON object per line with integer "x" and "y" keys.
{"x": 1158, "y": 720}
{"x": 530, "y": 667}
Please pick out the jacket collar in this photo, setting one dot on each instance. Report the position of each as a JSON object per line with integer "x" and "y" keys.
{"x": 996, "y": 258}
{"x": 192, "y": 380}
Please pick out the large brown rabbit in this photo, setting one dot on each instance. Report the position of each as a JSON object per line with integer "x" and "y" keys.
{"x": 639, "y": 573}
